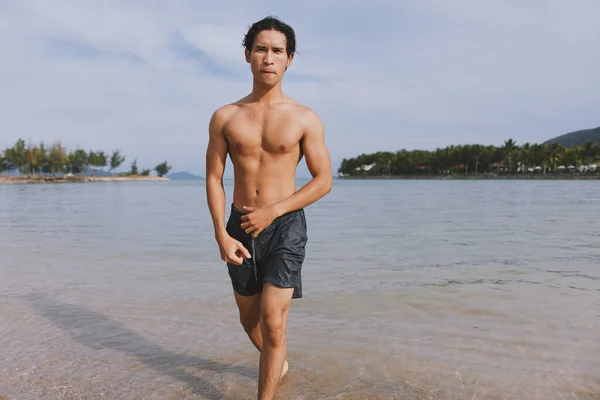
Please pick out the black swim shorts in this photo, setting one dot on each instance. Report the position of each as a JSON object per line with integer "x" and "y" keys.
{"x": 277, "y": 253}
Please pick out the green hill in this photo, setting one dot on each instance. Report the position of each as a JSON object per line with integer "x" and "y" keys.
{"x": 577, "y": 138}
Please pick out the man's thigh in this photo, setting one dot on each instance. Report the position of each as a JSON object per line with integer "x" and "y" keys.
{"x": 275, "y": 303}
{"x": 249, "y": 307}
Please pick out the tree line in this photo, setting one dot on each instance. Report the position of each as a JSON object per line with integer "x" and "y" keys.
{"x": 55, "y": 159}
{"x": 474, "y": 159}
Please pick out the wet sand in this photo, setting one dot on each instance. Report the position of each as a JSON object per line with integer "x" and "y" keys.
{"x": 56, "y": 348}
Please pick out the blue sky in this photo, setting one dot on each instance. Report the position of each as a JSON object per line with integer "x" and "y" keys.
{"x": 145, "y": 77}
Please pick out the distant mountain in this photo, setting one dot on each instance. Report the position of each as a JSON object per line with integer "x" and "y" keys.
{"x": 183, "y": 176}
{"x": 577, "y": 138}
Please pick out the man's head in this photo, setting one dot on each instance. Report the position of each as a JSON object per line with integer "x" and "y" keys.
{"x": 270, "y": 47}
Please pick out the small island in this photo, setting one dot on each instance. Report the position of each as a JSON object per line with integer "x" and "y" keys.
{"x": 33, "y": 163}
{"x": 570, "y": 156}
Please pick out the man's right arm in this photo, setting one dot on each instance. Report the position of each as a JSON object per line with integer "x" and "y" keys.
{"x": 216, "y": 157}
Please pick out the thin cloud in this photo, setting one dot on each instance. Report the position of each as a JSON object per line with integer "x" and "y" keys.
{"x": 56, "y": 47}
{"x": 190, "y": 52}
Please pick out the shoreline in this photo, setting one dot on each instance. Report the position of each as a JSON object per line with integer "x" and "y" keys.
{"x": 38, "y": 179}
{"x": 568, "y": 176}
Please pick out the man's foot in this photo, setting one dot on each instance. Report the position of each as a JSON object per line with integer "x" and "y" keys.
{"x": 286, "y": 366}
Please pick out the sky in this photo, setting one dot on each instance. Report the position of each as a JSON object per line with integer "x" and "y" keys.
{"x": 145, "y": 77}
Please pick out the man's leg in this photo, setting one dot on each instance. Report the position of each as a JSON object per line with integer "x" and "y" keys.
{"x": 249, "y": 307}
{"x": 275, "y": 303}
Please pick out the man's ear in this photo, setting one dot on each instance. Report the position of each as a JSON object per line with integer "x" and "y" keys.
{"x": 289, "y": 61}
{"x": 247, "y": 54}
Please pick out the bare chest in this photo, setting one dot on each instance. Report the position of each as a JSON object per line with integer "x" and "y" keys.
{"x": 247, "y": 136}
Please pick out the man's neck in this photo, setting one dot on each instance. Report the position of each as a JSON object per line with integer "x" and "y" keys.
{"x": 266, "y": 95}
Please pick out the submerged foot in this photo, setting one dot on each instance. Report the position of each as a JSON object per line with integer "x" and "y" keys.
{"x": 286, "y": 366}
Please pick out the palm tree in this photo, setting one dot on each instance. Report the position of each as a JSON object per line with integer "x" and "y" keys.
{"x": 524, "y": 156}
{"x": 589, "y": 152}
{"x": 36, "y": 158}
{"x": 17, "y": 155}
{"x": 116, "y": 160}
{"x": 569, "y": 157}
{"x": 477, "y": 152}
{"x": 580, "y": 151}
{"x": 57, "y": 158}
{"x": 554, "y": 152}
{"x": 538, "y": 156}
{"x": 508, "y": 149}
{"x": 163, "y": 169}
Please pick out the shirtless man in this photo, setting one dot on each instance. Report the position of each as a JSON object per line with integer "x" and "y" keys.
{"x": 263, "y": 242}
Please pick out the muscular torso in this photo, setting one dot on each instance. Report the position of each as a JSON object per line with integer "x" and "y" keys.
{"x": 265, "y": 146}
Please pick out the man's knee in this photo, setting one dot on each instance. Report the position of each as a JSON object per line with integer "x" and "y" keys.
{"x": 273, "y": 328}
{"x": 249, "y": 311}
{"x": 249, "y": 320}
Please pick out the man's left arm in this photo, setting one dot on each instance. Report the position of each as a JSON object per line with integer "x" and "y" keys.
{"x": 318, "y": 162}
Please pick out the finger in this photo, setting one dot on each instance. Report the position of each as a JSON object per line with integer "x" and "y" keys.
{"x": 244, "y": 218}
{"x": 246, "y": 225}
{"x": 236, "y": 261}
{"x": 250, "y": 229}
{"x": 248, "y": 208}
{"x": 244, "y": 250}
{"x": 234, "y": 258}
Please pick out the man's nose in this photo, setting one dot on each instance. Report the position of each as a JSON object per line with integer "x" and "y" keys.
{"x": 268, "y": 57}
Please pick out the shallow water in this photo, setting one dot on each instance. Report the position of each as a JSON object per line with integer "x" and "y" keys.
{"x": 412, "y": 290}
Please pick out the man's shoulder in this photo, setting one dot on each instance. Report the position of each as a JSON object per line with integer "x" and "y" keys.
{"x": 224, "y": 115}
{"x": 302, "y": 111}
{"x": 225, "y": 112}
{"x": 309, "y": 117}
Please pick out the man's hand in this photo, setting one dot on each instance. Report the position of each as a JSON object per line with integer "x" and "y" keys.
{"x": 257, "y": 219}
{"x": 232, "y": 251}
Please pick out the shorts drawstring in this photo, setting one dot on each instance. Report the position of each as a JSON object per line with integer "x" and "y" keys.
{"x": 254, "y": 258}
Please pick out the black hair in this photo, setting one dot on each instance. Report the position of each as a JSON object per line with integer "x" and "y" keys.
{"x": 271, "y": 23}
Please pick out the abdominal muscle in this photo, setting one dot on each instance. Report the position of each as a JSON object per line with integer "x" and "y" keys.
{"x": 259, "y": 183}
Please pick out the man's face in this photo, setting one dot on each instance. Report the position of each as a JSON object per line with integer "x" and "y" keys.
{"x": 268, "y": 59}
